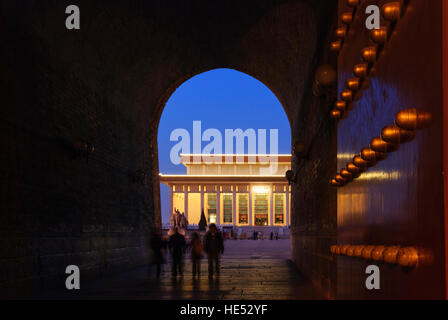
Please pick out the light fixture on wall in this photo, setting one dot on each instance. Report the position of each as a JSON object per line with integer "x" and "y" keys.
{"x": 260, "y": 189}
{"x": 325, "y": 81}
{"x": 299, "y": 149}
{"x": 83, "y": 149}
{"x": 290, "y": 176}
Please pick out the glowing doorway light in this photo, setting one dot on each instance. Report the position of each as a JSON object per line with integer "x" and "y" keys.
{"x": 260, "y": 189}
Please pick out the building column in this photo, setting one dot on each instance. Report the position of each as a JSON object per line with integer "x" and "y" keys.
{"x": 250, "y": 206}
{"x": 271, "y": 207}
{"x": 218, "y": 206}
{"x": 287, "y": 206}
{"x": 171, "y": 201}
{"x": 186, "y": 202}
{"x": 202, "y": 199}
{"x": 234, "y": 206}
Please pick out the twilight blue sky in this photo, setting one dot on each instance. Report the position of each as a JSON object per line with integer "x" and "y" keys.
{"x": 220, "y": 99}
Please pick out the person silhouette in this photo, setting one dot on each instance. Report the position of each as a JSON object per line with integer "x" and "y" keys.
{"x": 214, "y": 247}
{"x": 177, "y": 247}
{"x": 197, "y": 250}
{"x": 157, "y": 246}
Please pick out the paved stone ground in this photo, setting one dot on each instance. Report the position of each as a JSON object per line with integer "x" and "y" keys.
{"x": 249, "y": 270}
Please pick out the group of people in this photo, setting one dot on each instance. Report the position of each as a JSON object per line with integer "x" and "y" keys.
{"x": 212, "y": 245}
{"x": 256, "y": 235}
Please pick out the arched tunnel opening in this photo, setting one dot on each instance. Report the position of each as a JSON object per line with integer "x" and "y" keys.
{"x": 224, "y": 148}
{"x": 359, "y": 185}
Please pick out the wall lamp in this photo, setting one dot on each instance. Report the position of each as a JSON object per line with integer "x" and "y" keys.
{"x": 325, "y": 81}
{"x": 83, "y": 149}
{"x": 290, "y": 176}
{"x": 299, "y": 150}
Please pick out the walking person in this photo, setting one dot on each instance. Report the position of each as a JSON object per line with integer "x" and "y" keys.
{"x": 214, "y": 247}
{"x": 177, "y": 247}
{"x": 157, "y": 246}
{"x": 197, "y": 251}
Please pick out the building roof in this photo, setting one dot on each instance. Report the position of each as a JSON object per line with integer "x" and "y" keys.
{"x": 228, "y": 159}
{"x": 234, "y": 158}
{"x": 184, "y": 178}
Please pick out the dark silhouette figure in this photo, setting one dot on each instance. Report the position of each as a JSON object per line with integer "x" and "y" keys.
{"x": 157, "y": 246}
{"x": 177, "y": 246}
{"x": 271, "y": 236}
{"x": 255, "y": 235}
{"x": 202, "y": 221}
{"x": 197, "y": 251}
{"x": 214, "y": 247}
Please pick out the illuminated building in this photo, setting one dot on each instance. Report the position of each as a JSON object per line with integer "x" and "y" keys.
{"x": 235, "y": 191}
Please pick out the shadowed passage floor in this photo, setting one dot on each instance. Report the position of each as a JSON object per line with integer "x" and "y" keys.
{"x": 250, "y": 269}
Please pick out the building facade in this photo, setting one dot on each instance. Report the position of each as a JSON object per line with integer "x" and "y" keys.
{"x": 235, "y": 191}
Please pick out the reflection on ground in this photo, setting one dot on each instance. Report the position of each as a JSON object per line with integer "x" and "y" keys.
{"x": 249, "y": 270}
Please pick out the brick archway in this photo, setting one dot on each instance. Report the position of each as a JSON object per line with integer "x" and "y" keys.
{"x": 107, "y": 84}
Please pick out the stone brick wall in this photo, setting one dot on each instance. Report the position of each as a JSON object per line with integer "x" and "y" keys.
{"x": 314, "y": 206}
{"x": 107, "y": 84}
